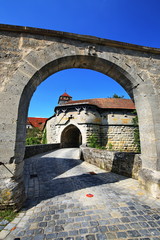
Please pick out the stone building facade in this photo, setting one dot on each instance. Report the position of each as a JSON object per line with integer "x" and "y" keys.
{"x": 109, "y": 119}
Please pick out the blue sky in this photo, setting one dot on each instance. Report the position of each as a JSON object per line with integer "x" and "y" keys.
{"x": 132, "y": 21}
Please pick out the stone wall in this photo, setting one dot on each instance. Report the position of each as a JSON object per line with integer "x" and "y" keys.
{"x": 39, "y": 148}
{"x": 123, "y": 163}
{"x": 121, "y": 138}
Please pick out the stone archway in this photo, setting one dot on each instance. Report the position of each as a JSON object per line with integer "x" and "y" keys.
{"x": 71, "y": 137}
{"x": 35, "y": 54}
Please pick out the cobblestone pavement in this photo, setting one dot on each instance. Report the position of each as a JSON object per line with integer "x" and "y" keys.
{"x": 57, "y": 207}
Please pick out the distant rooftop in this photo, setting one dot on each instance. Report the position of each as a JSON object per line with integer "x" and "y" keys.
{"x": 36, "y": 122}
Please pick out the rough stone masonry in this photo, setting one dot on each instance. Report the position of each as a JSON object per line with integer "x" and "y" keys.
{"x": 29, "y": 55}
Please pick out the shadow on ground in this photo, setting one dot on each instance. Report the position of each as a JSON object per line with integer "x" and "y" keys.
{"x": 49, "y": 177}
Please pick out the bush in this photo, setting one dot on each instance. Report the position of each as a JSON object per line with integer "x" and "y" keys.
{"x": 35, "y": 136}
{"x": 93, "y": 141}
{"x": 136, "y": 133}
{"x": 33, "y": 141}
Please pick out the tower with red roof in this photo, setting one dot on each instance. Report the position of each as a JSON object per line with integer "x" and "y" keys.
{"x": 64, "y": 98}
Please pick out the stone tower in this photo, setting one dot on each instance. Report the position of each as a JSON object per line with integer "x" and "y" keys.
{"x": 64, "y": 98}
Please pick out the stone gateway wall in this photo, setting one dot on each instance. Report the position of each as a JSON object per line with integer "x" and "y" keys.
{"x": 121, "y": 138}
{"x": 123, "y": 163}
{"x": 30, "y": 55}
{"x": 39, "y": 148}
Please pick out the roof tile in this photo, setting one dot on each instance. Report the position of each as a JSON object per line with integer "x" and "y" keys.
{"x": 37, "y": 122}
{"x": 116, "y": 103}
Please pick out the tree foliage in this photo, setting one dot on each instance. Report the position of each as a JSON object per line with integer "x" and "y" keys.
{"x": 117, "y": 96}
{"x": 35, "y": 136}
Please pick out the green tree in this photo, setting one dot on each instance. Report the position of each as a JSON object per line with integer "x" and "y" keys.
{"x": 33, "y": 136}
{"x": 117, "y": 96}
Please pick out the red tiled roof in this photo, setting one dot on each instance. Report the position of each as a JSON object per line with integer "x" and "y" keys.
{"x": 116, "y": 103}
{"x": 37, "y": 122}
{"x": 65, "y": 95}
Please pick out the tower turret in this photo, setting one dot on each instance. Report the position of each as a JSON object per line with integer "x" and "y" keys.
{"x": 64, "y": 98}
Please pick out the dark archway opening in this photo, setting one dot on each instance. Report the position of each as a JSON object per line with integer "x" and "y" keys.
{"x": 71, "y": 137}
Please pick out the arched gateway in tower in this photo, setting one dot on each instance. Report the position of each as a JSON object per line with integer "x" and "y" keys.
{"x": 71, "y": 137}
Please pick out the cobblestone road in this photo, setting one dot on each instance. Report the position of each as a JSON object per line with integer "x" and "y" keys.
{"x": 57, "y": 206}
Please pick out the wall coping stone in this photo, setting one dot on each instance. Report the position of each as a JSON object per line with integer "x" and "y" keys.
{"x": 32, "y": 150}
{"x": 79, "y": 37}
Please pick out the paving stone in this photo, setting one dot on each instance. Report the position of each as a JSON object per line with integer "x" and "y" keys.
{"x": 87, "y": 218}
{"x": 59, "y": 228}
{"x": 93, "y": 230}
{"x": 56, "y": 217}
{"x": 59, "y": 222}
{"x": 51, "y": 236}
{"x": 156, "y": 216}
{"x": 1, "y": 227}
{"x": 122, "y": 227}
{"x": 29, "y": 232}
{"x": 111, "y": 236}
{"x": 133, "y": 233}
{"x": 114, "y": 212}
{"x": 39, "y": 237}
{"x": 135, "y": 225}
{"x": 73, "y": 233}
{"x": 103, "y": 229}
{"x": 90, "y": 237}
{"x": 144, "y": 224}
{"x": 63, "y": 234}
{"x": 104, "y": 222}
{"x": 4, "y": 222}
{"x": 95, "y": 217}
{"x": 94, "y": 223}
{"x": 140, "y": 218}
{"x": 83, "y": 230}
{"x": 48, "y": 230}
{"x": 154, "y": 232}
{"x": 47, "y": 218}
{"x": 152, "y": 224}
{"x": 125, "y": 219}
{"x": 101, "y": 236}
{"x": 144, "y": 232}
{"x": 85, "y": 224}
{"x": 114, "y": 221}
{"x": 51, "y": 223}
{"x": 42, "y": 224}
{"x": 122, "y": 235}
{"x": 79, "y": 219}
{"x": 69, "y": 220}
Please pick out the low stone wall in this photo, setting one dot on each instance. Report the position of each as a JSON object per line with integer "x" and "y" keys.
{"x": 124, "y": 163}
{"x": 39, "y": 148}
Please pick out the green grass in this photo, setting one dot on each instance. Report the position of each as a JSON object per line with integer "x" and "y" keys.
{"x": 7, "y": 215}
